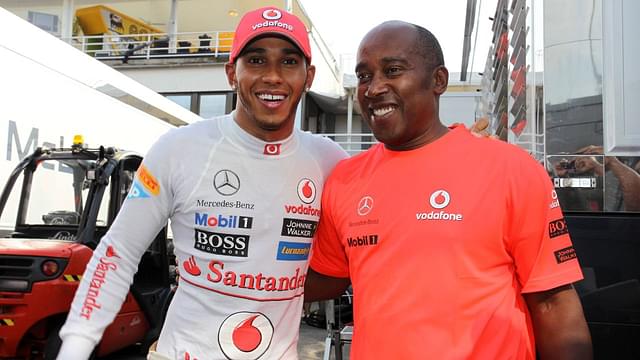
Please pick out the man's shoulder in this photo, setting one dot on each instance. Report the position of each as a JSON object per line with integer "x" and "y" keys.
{"x": 487, "y": 146}
{"x": 322, "y": 148}
{"x": 204, "y": 127}
{"x": 359, "y": 160}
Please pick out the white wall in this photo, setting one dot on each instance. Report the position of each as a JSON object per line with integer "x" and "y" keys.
{"x": 459, "y": 107}
{"x": 209, "y": 77}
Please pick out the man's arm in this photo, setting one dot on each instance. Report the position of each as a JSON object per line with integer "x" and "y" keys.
{"x": 559, "y": 326}
{"x": 322, "y": 287}
{"x": 629, "y": 183}
{"x": 109, "y": 274}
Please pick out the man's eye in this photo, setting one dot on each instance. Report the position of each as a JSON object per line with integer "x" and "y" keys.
{"x": 393, "y": 70}
{"x": 291, "y": 61}
{"x": 255, "y": 60}
{"x": 362, "y": 76}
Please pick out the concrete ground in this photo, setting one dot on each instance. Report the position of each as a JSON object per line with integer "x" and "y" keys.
{"x": 312, "y": 343}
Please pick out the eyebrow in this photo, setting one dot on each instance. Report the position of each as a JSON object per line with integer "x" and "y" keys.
{"x": 385, "y": 60}
{"x": 390, "y": 59}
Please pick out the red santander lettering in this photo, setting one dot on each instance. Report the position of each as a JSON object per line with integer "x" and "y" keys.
{"x": 259, "y": 281}
{"x": 97, "y": 280}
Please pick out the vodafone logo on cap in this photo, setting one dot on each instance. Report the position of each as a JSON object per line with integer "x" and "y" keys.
{"x": 245, "y": 335}
{"x": 272, "y": 14}
{"x": 306, "y": 191}
{"x": 439, "y": 199}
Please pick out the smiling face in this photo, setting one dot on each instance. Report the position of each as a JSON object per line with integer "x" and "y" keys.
{"x": 398, "y": 89}
{"x": 270, "y": 76}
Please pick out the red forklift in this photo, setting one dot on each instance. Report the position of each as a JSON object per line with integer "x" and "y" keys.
{"x": 67, "y": 200}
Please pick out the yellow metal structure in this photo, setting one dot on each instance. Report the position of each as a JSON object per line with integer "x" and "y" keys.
{"x": 101, "y": 19}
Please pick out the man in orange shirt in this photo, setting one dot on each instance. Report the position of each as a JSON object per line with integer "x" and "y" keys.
{"x": 455, "y": 245}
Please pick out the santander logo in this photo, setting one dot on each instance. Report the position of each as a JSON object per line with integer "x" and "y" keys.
{"x": 111, "y": 252}
{"x": 191, "y": 266}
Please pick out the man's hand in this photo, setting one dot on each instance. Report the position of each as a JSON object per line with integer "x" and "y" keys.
{"x": 480, "y": 128}
{"x": 588, "y": 165}
{"x": 597, "y": 150}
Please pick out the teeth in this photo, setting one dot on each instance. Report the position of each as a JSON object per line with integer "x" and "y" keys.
{"x": 382, "y": 111}
{"x": 271, "y": 97}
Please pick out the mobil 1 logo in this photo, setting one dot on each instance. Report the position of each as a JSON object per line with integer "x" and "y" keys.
{"x": 221, "y": 244}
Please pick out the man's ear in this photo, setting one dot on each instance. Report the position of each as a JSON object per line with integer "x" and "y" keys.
{"x": 440, "y": 79}
{"x": 230, "y": 69}
{"x": 311, "y": 74}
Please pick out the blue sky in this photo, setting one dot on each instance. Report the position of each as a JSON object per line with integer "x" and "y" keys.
{"x": 342, "y": 23}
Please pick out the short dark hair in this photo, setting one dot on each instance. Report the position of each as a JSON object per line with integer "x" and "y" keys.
{"x": 428, "y": 47}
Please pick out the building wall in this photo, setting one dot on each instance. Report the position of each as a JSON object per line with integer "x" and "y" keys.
{"x": 459, "y": 107}
{"x": 209, "y": 77}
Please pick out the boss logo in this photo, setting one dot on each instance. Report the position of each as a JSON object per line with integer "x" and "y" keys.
{"x": 557, "y": 228}
{"x": 221, "y": 244}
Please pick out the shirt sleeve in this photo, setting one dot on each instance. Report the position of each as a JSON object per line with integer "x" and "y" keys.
{"x": 537, "y": 234}
{"x": 109, "y": 274}
{"x": 328, "y": 256}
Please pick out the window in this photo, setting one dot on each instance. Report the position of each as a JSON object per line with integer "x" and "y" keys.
{"x": 212, "y": 105}
{"x": 182, "y": 100}
{"x": 206, "y": 105}
{"x": 46, "y": 22}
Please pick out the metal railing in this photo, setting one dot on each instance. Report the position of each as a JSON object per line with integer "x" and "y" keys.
{"x": 352, "y": 143}
{"x": 157, "y": 45}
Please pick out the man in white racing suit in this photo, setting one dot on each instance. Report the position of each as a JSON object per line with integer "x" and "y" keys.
{"x": 243, "y": 195}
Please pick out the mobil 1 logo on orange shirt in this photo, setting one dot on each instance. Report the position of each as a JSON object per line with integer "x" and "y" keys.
{"x": 557, "y": 228}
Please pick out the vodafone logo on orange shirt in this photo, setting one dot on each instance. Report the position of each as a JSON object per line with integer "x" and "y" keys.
{"x": 439, "y": 200}
{"x": 554, "y": 200}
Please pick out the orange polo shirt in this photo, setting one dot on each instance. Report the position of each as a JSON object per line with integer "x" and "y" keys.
{"x": 439, "y": 243}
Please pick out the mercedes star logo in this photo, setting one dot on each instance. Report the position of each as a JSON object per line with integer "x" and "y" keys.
{"x": 365, "y": 205}
{"x": 226, "y": 182}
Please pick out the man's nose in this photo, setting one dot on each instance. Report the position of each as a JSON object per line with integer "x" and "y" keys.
{"x": 272, "y": 74}
{"x": 377, "y": 87}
